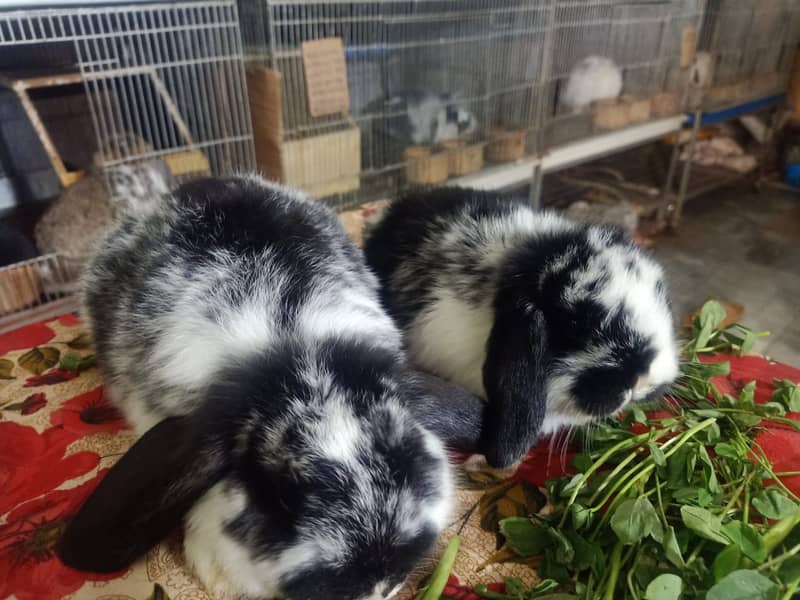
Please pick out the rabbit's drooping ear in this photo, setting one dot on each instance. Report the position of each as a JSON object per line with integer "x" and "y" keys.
{"x": 449, "y": 411}
{"x": 142, "y": 498}
{"x": 514, "y": 375}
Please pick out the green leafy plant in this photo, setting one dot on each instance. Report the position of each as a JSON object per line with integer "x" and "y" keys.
{"x": 517, "y": 590}
{"x": 682, "y": 505}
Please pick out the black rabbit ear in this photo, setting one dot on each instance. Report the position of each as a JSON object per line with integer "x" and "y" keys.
{"x": 449, "y": 411}
{"x": 142, "y": 498}
{"x": 515, "y": 378}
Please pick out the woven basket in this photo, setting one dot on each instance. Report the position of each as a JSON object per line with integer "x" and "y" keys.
{"x": 638, "y": 108}
{"x": 610, "y": 113}
{"x": 463, "y": 159}
{"x": 506, "y": 144}
{"x": 423, "y": 166}
{"x": 665, "y": 104}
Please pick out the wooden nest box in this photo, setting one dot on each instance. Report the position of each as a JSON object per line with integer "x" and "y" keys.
{"x": 326, "y": 160}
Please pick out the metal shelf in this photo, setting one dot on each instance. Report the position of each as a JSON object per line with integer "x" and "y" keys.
{"x": 734, "y": 111}
{"x": 502, "y": 177}
{"x": 711, "y": 178}
{"x": 499, "y": 177}
{"x": 609, "y": 143}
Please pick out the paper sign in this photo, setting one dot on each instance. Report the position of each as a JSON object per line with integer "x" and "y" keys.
{"x": 326, "y": 77}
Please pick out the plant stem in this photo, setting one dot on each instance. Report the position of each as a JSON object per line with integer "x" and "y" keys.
{"x": 629, "y": 578}
{"x": 678, "y": 441}
{"x": 485, "y": 592}
{"x": 746, "y": 504}
{"x": 442, "y": 571}
{"x": 764, "y": 463}
{"x": 632, "y": 476}
{"x": 627, "y": 443}
{"x": 780, "y": 558}
{"x": 778, "y": 532}
{"x": 791, "y": 588}
{"x": 736, "y": 494}
{"x": 611, "y": 475}
{"x": 613, "y": 575}
{"x": 696, "y": 552}
{"x": 662, "y": 513}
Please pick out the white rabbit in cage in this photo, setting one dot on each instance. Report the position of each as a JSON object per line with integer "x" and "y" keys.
{"x": 593, "y": 78}
{"x": 430, "y": 118}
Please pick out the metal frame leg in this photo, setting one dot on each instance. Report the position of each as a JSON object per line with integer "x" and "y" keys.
{"x": 537, "y": 178}
{"x": 667, "y": 195}
{"x": 675, "y": 217}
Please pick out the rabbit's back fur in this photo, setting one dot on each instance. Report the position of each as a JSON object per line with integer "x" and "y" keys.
{"x": 165, "y": 307}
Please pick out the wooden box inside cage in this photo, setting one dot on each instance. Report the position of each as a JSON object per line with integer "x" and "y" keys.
{"x": 322, "y": 163}
{"x": 38, "y": 288}
{"x": 506, "y": 145}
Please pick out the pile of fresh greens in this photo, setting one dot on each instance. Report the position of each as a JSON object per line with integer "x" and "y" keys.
{"x": 680, "y": 503}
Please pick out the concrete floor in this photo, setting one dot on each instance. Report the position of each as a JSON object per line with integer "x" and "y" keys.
{"x": 743, "y": 247}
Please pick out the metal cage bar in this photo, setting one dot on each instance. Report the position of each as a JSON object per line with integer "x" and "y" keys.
{"x": 752, "y": 44}
{"x": 507, "y": 63}
{"x": 412, "y": 66}
{"x": 163, "y": 80}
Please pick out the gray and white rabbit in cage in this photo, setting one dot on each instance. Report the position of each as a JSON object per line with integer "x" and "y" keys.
{"x": 241, "y": 333}
{"x": 593, "y": 78}
{"x": 701, "y": 76}
{"x": 429, "y": 118}
{"x": 553, "y": 322}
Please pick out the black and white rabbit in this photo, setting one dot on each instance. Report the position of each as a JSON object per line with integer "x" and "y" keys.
{"x": 429, "y": 118}
{"x": 554, "y": 323}
{"x": 241, "y": 333}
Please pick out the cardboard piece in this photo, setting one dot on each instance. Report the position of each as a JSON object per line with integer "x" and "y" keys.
{"x": 326, "y": 77}
{"x": 688, "y": 46}
{"x": 264, "y": 95}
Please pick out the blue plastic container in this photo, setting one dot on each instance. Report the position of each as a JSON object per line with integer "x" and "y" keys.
{"x": 791, "y": 174}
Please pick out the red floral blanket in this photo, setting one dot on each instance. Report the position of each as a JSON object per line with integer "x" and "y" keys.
{"x": 59, "y": 435}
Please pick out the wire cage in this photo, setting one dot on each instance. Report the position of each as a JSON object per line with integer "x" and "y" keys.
{"x": 163, "y": 81}
{"x": 162, "y": 85}
{"x": 37, "y": 289}
{"x": 752, "y": 44}
{"x": 432, "y": 89}
{"x": 617, "y": 63}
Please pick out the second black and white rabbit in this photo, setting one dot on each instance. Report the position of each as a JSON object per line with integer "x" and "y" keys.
{"x": 428, "y": 118}
{"x": 241, "y": 333}
{"x": 554, "y": 323}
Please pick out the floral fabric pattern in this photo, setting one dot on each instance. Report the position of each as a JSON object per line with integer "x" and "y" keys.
{"x": 59, "y": 435}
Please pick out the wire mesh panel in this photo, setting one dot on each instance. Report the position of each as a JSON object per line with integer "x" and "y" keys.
{"x": 616, "y": 63}
{"x": 434, "y": 87}
{"x": 164, "y": 81}
{"x": 36, "y": 289}
{"x": 752, "y": 43}
{"x": 171, "y": 81}
{"x": 791, "y": 38}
